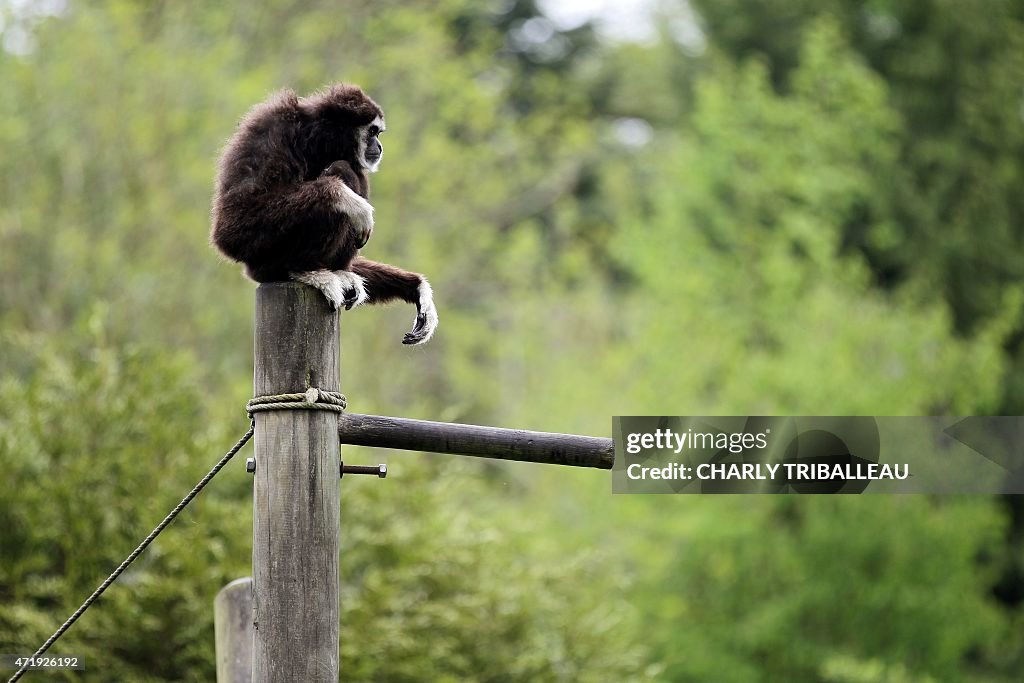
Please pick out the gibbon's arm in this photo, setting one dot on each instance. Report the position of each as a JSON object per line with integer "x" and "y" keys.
{"x": 342, "y": 169}
{"x": 252, "y": 227}
{"x": 385, "y": 283}
{"x": 326, "y": 194}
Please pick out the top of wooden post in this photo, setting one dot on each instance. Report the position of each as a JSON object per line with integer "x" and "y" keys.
{"x": 296, "y": 340}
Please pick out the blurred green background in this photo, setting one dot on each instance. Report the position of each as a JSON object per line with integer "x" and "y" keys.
{"x": 714, "y": 207}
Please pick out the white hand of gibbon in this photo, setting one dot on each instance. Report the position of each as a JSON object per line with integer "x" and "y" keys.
{"x": 359, "y": 211}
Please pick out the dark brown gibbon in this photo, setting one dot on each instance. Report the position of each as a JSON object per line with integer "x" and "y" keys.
{"x": 291, "y": 201}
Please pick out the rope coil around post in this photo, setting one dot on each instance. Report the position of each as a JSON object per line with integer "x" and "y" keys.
{"x": 312, "y": 399}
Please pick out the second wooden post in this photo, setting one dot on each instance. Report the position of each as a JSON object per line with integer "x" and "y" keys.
{"x": 296, "y": 502}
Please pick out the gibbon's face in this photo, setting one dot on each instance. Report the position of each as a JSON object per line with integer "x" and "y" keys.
{"x": 369, "y": 147}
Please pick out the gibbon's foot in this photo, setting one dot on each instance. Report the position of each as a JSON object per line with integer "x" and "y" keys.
{"x": 355, "y": 288}
{"x": 426, "y": 317}
{"x": 341, "y": 287}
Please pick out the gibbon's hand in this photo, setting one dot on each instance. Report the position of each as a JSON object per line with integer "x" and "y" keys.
{"x": 426, "y": 317}
{"x": 351, "y": 202}
{"x": 358, "y": 210}
{"x": 365, "y": 230}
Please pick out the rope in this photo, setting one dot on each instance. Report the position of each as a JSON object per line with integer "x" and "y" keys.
{"x": 312, "y": 399}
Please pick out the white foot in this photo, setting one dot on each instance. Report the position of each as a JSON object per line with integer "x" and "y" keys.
{"x": 341, "y": 287}
{"x": 354, "y": 286}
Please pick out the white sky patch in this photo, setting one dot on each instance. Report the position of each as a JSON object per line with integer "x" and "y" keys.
{"x": 635, "y": 21}
{"x": 629, "y": 20}
{"x": 632, "y": 132}
{"x": 538, "y": 35}
{"x": 18, "y": 18}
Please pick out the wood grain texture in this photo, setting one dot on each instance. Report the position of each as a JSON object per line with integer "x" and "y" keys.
{"x": 296, "y": 492}
{"x": 232, "y": 618}
{"x": 476, "y": 440}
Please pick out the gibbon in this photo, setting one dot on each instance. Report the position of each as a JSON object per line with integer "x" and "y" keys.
{"x": 292, "y": 201}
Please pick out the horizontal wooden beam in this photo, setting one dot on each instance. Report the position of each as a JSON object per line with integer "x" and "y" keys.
{"x": 476, "y": 440}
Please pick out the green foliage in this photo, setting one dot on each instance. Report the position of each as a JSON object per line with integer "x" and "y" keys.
{"x": 740, "y": 303}
{"x": 779, "y": 590}
{"x": 950, "y": 212}
{"x": 824, "y": 221}
{"x": 102, "y": 441}
{"x": 475, "y": 591}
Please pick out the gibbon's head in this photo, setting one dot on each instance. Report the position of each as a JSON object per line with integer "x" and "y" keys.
{"x": 351, "y": 121}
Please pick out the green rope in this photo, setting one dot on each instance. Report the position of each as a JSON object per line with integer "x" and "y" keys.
{"x": 312, "y": 399}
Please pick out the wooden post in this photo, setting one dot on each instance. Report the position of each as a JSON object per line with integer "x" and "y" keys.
{"x": 232, "y": 618}
{"x": 296, "y": 492}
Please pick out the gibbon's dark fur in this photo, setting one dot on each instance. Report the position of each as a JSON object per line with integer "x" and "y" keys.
{"x": 275, "y": 205}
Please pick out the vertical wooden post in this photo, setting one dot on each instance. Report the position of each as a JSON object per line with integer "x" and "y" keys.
{"x": 232, "y": 618}
{"x": 296, "y": 492}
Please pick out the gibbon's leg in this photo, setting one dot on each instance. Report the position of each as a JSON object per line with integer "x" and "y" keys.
{"x": 341, "y": 287}
{"x": 386, "y": 283}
